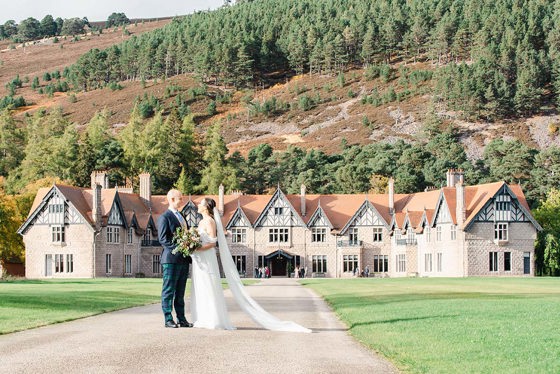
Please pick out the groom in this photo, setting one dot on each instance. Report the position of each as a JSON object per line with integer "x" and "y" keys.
{"x": 175, "y": 267}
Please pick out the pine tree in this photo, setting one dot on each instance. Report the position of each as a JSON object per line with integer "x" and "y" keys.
{"x": 11, "y": 143}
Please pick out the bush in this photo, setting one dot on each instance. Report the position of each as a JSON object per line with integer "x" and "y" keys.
{"x": 72, "y": 99}
{"x": 305, "y": 103}
{"x": 211, "y": 109}
{"x": 114, "y": 86}
{"x": 47, "y": 77}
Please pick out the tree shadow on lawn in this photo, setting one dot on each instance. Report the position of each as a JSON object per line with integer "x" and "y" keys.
{"x": 396, "y": 320}
{"x": 343, "y": 300}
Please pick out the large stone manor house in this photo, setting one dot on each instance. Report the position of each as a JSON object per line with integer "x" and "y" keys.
{"x": 455, "y": 231}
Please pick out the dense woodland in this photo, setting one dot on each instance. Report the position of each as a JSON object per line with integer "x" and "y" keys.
{"x": 494, "y": 59}
{"x": 497, "y": 59}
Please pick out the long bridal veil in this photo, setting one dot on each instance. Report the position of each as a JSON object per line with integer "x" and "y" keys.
{"x": 246, "y": 302}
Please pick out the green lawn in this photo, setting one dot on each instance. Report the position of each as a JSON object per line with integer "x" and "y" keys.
{"x": 26, "y": 304}
{"x": 465, "y": 325}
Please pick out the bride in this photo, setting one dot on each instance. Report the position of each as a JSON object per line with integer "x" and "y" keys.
{"x": 208, "y": 306}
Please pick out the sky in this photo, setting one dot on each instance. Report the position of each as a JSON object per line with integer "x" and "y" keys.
{"x": 99, "y": 10}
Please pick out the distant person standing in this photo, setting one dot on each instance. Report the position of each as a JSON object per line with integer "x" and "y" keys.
{"x": 367, "y": 271}
{"x": 266, "y": 272}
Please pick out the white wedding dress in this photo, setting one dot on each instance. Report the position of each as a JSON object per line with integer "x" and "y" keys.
{"x": 208, "y": 306}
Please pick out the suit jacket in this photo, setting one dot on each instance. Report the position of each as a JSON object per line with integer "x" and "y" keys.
{"x": 167, "y": 224}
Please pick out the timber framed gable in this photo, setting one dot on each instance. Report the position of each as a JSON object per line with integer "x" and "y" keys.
{"x": 442, "y": 213}
{"x": 116, "y": 214}
{"x": 319, "y": 219}
{"x": 239, "y": 219}
{"x": 366, "y": 215}
{"x": 54, "y": 209}
{"x": 190, "y": 212}
{"x": 504, "y": 206}
{"x": 279, "y": 212}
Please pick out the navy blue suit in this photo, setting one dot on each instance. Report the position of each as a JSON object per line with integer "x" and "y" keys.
{"x": 175, "y": 268}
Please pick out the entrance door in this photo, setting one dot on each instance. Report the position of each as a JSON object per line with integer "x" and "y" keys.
{"x": 48, "y": 265}
{"x": 278, "y": 266}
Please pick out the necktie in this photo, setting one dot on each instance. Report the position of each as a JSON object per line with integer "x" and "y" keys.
{"x": 181, "y": 220}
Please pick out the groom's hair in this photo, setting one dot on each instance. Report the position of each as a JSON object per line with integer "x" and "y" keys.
{"x": 210, "y": 205}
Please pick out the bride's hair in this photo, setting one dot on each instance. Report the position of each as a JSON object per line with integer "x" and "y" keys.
{"x": 210, "y": 205}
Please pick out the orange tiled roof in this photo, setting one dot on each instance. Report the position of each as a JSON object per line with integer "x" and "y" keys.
{"x": 339, "y": 208}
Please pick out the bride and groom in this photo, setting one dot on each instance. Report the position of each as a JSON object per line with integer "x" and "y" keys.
{"x": 208, "y": 306}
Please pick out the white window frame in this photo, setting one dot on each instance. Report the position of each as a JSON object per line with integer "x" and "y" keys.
{"x": 129, "y": 235}
{"x": 239, "y": 235}
{"x": 493, "y": 262}
{"x": 278, "y": 235}
{"x": 59, "y": 263}
{"x": 428, "y": 233}
{"x": 439, "y": 262}
{"x": 148, "y": 234}
{"x": 377, "y": 234}
{"x": 428, "y": 262}
{"x": 453, "y": 232}
{"x": 319, "y": 263}
{"x": 353, "y": 236}
{"x": 380, "y": 263}
{"x": 400, "y": 263}
{"x": 156, "y": 264}
{"x": 240, "y": 262}
{"x": 438, "y": 233}
{"x": 349, "y": 263}
{"x": 501, "y": 232}
{"x": 128, "y": 264}
{"x": 57, "y": 234}
{"x": 318, "y": 234}
{"x": 113, "y": 234}
{"x": 70, "y": 263}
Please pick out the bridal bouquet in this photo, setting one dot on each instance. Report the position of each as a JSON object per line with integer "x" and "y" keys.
{"x": 187, "y": 241}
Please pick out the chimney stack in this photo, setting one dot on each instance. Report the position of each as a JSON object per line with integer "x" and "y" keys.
{"x": 391, "y": 187}
{"x": 96, "y": 213}
{"x": 461, "y": 211}
{"x": 101, "y": 178}
{"x": 454, "y": 176}
{"x": 302, "y": 196}
{"x": 146, "y": 189}
{"x": 221, "y": 199}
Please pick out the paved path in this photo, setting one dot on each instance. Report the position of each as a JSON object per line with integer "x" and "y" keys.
{"x": 135, "y": 341}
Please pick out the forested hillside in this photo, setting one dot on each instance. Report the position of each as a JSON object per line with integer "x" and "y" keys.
{"x": 498, "y": 59}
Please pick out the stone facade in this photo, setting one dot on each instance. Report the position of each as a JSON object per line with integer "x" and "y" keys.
{"x": 441, "y": 233}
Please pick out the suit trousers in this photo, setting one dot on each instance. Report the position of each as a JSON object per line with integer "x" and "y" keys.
{"x": 173, "y": 290}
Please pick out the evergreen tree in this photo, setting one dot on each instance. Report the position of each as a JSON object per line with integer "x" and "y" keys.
{"x": 11, "y": 143}
{"x": 216, "y": 170}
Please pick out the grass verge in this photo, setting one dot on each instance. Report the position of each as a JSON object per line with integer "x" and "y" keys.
{"x": 453, "y": 325}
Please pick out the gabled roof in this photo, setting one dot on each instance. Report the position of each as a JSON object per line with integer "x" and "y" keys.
{"x": 319, "y": 212}
{"x": 339, "y": 210}
{"x": 481, "y": 194}
{"x": 238, "y": 212}
{"x": 73, "y": 196}
{"x": 278, "y": 194}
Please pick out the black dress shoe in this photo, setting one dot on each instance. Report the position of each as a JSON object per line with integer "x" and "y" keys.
{"x": 171, "y": 324}
{"x": 184, "y": 324}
